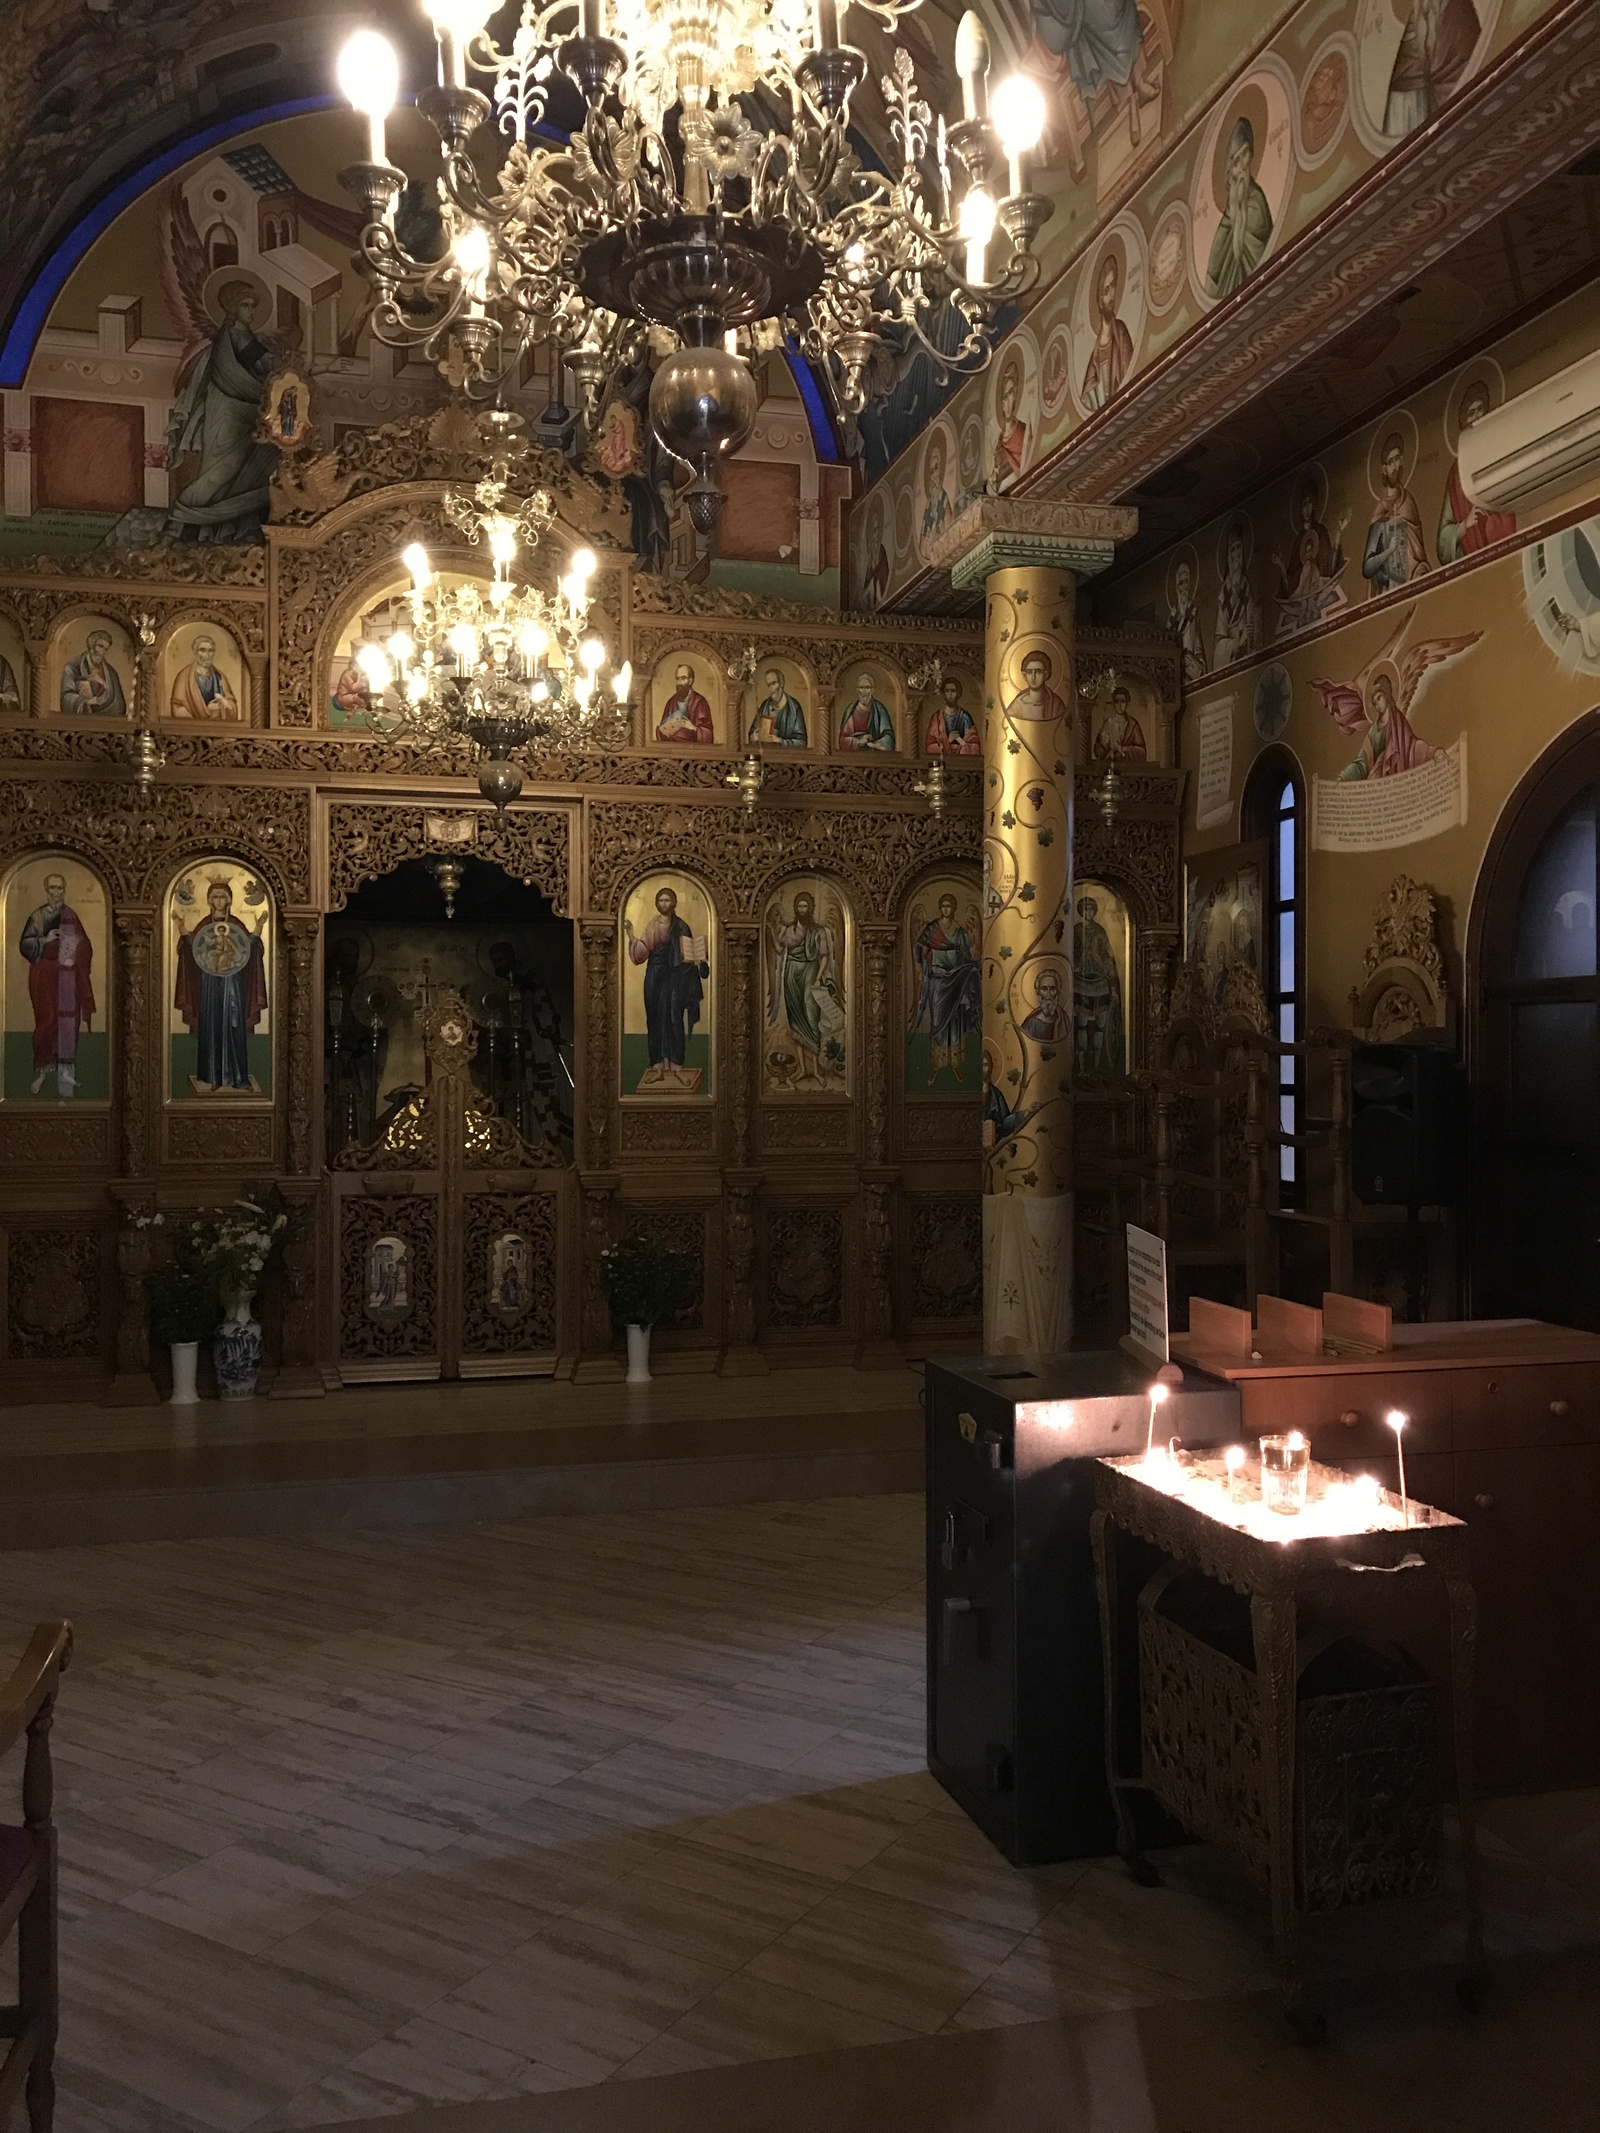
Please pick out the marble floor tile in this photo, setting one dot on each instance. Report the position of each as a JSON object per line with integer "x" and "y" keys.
{"x": 361, "y": 1825}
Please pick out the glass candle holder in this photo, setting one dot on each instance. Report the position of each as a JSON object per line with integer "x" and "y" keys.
{"x": 1238, "y": 1480}
{"x": 1285, "y": 1471}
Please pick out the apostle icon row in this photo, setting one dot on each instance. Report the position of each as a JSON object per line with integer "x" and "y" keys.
{"x": 808, "y": 1031}
{"x": 91, "y": 663}
{"x": 219, "y": 976}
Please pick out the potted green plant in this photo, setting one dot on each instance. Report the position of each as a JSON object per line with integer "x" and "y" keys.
{"x": 647, "y": 1280}
{"x": 183, "y": 1312}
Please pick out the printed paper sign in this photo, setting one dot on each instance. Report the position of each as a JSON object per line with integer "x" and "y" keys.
{"x": 1147, "y": 1291}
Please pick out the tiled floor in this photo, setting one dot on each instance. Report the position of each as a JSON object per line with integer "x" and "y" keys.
{"x": 357, "y": 1824}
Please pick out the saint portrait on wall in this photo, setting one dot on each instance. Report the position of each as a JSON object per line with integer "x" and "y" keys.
{"x": 219, "y": 927}
{"x": 1238, "y": 633}
{"x": 200, "y": 675}
{"x": 938, "y": 456}
{"x": 509, "y": 1285}
{"x": 1013, "y": 427}
{"x": 56, "y": 978}
{"x": 775, "y": 708}
{"x": 667, "y": 928}
{"x": 1243, "y": 170}
{"x": 1183, "y": 612}
{"x": 806, "y": 945}
{"x": 1099, "y": 981}
{"x": 95, "y": 661}
{"x": 1465, "y": 528}
{"x": 388, "y": 1281}
{"x": 945, "y": 1019}
{"x": 952, "y": 727}
{"x": 1415, "y": 55}
{"x": 1048, "y": 1021}
{"x": 685, "y": 717}
{"x": 1109, "y": 315}
{"x": 866, "y": 716}
{"x": 13, "y": 666}
{"x": 1120, "y": 737}
{"x": 872, "y": 567}
{"x": 222, "y": 466}
{"x": 1396, "y": 551}
{"x": 1039, "y": 698}
{"x": 1310, "y": 569}
{"x": 1223, "y": 924}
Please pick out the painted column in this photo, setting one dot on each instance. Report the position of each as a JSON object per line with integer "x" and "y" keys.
{"x": 1029, "y": 558}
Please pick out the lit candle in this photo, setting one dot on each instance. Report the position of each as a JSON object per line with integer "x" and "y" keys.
{"x": 1285, "y": 1472}
{"x": 1397, "y": 1422}
{"x": 1159, "y": 1395}
{"x": 1233, "y": 1459}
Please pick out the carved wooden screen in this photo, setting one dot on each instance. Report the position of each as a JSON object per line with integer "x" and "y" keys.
{"x": 450, "y": 1232}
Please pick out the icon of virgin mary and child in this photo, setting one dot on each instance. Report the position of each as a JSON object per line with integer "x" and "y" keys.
{"x": 221, "y": 993}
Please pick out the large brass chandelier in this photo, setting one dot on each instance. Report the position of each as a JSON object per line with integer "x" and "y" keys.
{"x": 708, "y": 208}
{"x": 505, "y": 666}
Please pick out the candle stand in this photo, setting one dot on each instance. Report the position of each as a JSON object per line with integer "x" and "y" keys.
{"x": 1323, "y": 1799}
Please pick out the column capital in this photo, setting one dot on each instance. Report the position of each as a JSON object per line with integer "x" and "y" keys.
{"x": 1004, "y": 532}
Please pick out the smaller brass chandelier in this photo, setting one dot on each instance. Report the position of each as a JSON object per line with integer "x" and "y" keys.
{"x": 505, "y": 666}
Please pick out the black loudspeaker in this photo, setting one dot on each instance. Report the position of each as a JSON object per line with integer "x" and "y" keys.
{"x": 1408, "y": 1125}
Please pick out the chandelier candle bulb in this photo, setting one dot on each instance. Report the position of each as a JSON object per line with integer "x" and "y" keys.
{"x": 1397, "y": 1422}
{"x": 369, "y": 78}
{"x": 622, "y": 681}
{"x": 978, "y": 213}
{"x": 1019, "y": 116}
{"x": 415, "y": 558}
{"x": 972, "y": 64}
{"x": 1285, "y": 1472}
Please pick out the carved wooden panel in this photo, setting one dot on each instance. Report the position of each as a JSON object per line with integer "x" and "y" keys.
{"x": 873, "y": 854}
{"x": 379, "y": 1331}
{"x": 366, "y": 840}
{"x": 805, "y": 1269}
{"x": 943, "y": 1129}
{"x": 55, "y": 1140}
{"x": 139, "y": 848}
{"x": 510, "y": 1281}
{"x": 53, "y": 1292}
{"x": 238, "y": 1138}
{"x": 945, "y": 1256}
{"x": 668, "y": 1132}
{"x": 683, "y": 1226}
{"x": 812, "y": 1130}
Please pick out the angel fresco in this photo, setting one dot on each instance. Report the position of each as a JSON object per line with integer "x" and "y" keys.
{"x": 948, "y": 1010}
{"x": 1382, "y": 698}
{"x": 221, "y": 379}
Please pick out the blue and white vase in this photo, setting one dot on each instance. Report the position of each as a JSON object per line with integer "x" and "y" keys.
{"x": 236, "y": 1351}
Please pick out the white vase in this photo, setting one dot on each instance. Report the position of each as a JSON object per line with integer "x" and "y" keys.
{"x": 638, "y": 1355}
{"x": 184, "y": 1355}
{"x": 236, "y": 1349}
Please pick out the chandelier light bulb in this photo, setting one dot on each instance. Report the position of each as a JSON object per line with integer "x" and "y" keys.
{"x": 591, "y": 655}
{"x": 375, "y": 667}
{"x": 474, "y": 255}
{"x": 415, "y": 558}
{"x": 502, "y": 540}
{"x": 401, "y": 648}
{"x": 972, "y": 64}
{"x": 584, "y": 564}
{"x": 369, "y": 79}
{"x": 532, "y": 639}
{"x": 622, "y": 681}
{"x": 978, "y": 214}
{"x": 1019, "y": 116}
{"x": 463, "y": 641}
{"x": 455, "y": 24}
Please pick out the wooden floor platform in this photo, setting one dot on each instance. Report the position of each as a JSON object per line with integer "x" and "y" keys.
{"x": 434, "y": 1454}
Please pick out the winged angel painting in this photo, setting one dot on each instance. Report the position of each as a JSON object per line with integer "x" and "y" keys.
{"x": 222, "y": 375}
{"x": 1379, "y": 703}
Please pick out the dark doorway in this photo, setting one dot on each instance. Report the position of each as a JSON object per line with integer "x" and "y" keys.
{"x": 1536, "y": 1048}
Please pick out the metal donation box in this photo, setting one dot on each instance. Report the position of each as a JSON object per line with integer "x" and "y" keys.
{"x": 1016, "y": 1726}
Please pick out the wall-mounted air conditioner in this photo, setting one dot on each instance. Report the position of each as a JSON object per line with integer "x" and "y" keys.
{"x": 1539, "y": 443}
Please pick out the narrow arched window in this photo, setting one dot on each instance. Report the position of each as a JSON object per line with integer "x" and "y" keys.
{"x": 1274, "y": 812}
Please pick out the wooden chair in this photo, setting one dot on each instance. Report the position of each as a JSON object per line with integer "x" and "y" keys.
{"x": 28, "y": 1882}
